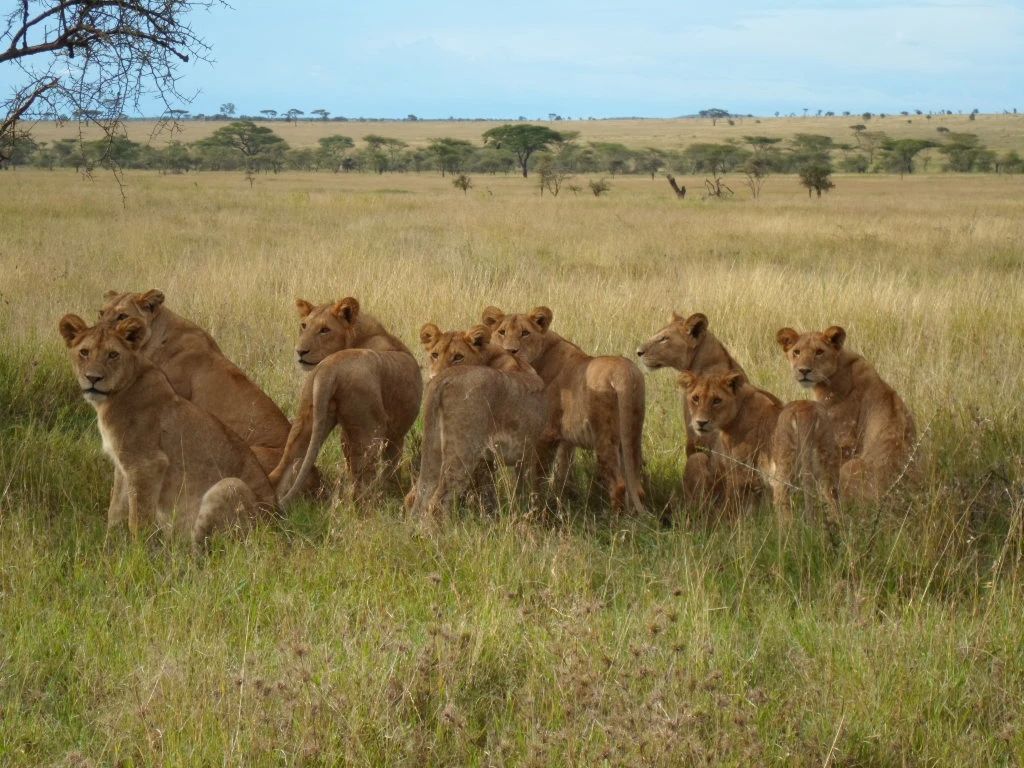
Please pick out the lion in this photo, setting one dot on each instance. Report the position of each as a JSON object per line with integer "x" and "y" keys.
{"x": 480, "y": 401}
{"x": 174, "y": 463}
{"x": 687, "y": 344}
{"x": 595, "y": 402}
{"x": 874, "y": 428}
{"x": 362, "y": 379}
{"x": 770, "y": 445}
{"x": 198, "y": 371}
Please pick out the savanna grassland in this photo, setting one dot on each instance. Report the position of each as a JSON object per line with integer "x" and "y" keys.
{"x": 346, "y": 635}
{"x": 999, "y": 132}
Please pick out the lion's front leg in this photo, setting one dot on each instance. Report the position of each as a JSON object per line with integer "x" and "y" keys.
{"x": 143, "y": 482}
{"x": 117, "y": 511}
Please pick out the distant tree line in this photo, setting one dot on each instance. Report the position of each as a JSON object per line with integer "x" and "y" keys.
{"x": 252, "y": 147}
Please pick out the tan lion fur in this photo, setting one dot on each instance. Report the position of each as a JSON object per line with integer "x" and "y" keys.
{"x": 480, "y": 401}
{"x": 595, "y": 402}
{"x": 769, "y": 445}
{"x": 361, "y": 379}
{"x": 198, "y": 371}
{"x": 174, "y": 464}
{"x": 874, "y": 428}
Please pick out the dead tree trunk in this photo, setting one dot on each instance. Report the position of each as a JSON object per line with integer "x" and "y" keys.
{"x": 680, "y": 191}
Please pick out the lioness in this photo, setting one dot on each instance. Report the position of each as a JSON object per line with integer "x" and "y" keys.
{"x": 874, "y": 428}
{"x": 481, "y": 400}
{"x": 174, "y": 463}
{"x": 199, "y": 372}
{"x": 770, "y": 445}
{"x": 362, "y": 379}
{"x": 595, "y": 402}
{"x": 687, "y": 344}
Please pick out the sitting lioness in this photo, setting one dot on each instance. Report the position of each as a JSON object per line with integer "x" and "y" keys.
{"x": 362, "y": 379}
{"x": 480, "y": 401}
{"x": 769, "y": 445}
{"x": 687, "y": 344}
{"x": 174, "y": 463}
{"x": 199, "y": 372}
{"x": 874, "y": 429}
{"x": 594, "y": 402}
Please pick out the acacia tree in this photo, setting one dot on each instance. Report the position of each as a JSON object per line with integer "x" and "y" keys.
{"x": 321, "y": 113}
{"x": 95, "y": 58}
{"x": 332, "y": 150}
{"x": 293, "y": 115}
{"x": 522, "y": 140}
{"x": 450, "y": 154}
{"x": 258, "y": 144}
{"x": 899, "y": 154}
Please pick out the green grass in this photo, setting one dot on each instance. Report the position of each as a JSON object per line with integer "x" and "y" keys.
{"x": 349, "y": 636}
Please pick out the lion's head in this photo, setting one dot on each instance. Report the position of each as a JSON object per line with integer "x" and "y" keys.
{"x": 813, "y": 356}
{"x": 105, "y": 357}
{"x": 144, "y": 307}
{"x": 521, "y": 335}
{"x": 712, "y": 399}
{"x": 448, "y": 348}
{"x": 676, "y": 344}
{"x": 325, "y": 329}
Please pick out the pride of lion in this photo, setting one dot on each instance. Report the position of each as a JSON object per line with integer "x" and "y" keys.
{"x": 198, "y": 448}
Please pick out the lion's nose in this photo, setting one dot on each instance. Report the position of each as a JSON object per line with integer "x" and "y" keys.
{"x": 701, "y": 423}
{"x": 639, "y": 351}
{"x": 302, "y": 352}
{"x": 92, "y": 377}
{"x": 511, "y": 351}
{"x": 804, "y": 371}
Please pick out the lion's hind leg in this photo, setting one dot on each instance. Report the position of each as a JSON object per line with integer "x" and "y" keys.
{"x": 229, "y": 504}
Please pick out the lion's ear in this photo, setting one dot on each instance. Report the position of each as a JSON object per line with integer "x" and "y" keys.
{"x": 686, "y": 379}
{"x": 478, "y": 335}
{"x": 835, "y": 336}
{"x": 786, "y": 337}
{"x": 110, "y": 295}
{"x": 429, "y": 334}
{"x": 70, "y": 327}
{"x": 734, "y": 380}
{"x": 491, "y": 316}
{"x": 131, "y": 330}
{"x": 303, "y": 307}
{"x": 151, "y": 300}
{"x": 542, "y": 316}
{"x": 676, "y": 317}
{"x": 697, "y": 325}
{"x": 347, "y": 308}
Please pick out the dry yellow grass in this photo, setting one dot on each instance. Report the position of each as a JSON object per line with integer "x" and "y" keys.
{"x": 344, "y": 636}
{"x": 1001, "y": 132}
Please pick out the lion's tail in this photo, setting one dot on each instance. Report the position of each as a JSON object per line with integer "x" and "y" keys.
{"x": 322, "y": 426}
{"x": 630, "y": 400}
{"x": 432, "y": 447}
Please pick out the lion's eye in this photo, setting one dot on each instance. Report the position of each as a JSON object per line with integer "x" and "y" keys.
{"x": 457, "y": 357}
{"x": 819, "y": 352}
{"x": 526, "y": 333}
{"x": 717, "y": 401}
{"x": 695, "y": 400}
{"x": 302, "y": 326}
{"x": 663, "y": 339}
{"x": 501, "y": 333}
{"x": 324, "y": 330}
{"x": 113, "y": 355}
{"x": 433, "y": 355}
{"x": 83, "y": 353}
{"x": 122, "y": 316}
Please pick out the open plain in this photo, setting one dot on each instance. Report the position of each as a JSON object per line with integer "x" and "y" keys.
{"x": 346, "y": 636}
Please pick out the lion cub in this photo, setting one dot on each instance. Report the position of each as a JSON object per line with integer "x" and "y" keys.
{"x": 480, "y": 401}
{"x": 174, "y": 463}
{"x": 687, "y": 344}
{"x": 594, "y": 402}
{"x": 874, "y": 428}
{"x": 362, "y": 379}
{"x": 769, "y": 444}
{"x": 199, "y": 371}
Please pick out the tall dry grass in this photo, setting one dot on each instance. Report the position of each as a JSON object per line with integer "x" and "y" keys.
{"x": 341, "y": 635}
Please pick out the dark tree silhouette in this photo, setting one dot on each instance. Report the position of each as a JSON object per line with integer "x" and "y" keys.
{"x": 94, "y": 59}
{"x": 680, "y": 191}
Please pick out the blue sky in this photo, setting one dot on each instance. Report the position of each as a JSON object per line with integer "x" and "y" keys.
{"x": 656, "y": 58}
